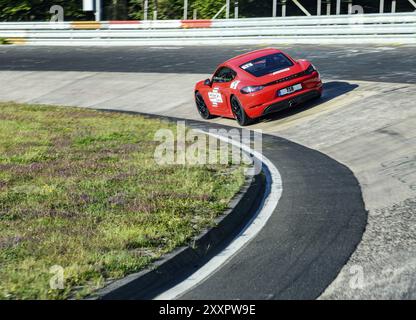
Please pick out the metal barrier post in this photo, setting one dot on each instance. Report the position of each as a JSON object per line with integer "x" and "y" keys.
{"x": 185, "y": 9}
{"x": 349, "y": 6}
{"x": 318, "y": 7}
{"x": 227, "y": 10}
{"x": 274, "y": 13}
{"x": 393, "y": 6}
{"x": 381, "y": 6}
{"x": 338, "y": 7}
{"x": 328, "y": 7}
{"x": 146, "y": 7}
{"x": 97, "y": 10}
{"x": 283, "y": 8}
{"x": 236, "y": 9}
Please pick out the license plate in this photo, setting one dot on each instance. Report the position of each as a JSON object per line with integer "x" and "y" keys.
{"x": 289, "y": 90}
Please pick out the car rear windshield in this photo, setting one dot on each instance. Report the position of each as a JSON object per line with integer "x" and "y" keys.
{"x": 267, "y": 64}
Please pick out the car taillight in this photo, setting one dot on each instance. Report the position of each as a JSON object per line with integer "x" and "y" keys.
{"x": 251, "y": 89}
{"x": 310, "y": 69}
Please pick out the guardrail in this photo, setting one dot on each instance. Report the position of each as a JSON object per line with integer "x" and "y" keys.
{"x": 375, "y": 28}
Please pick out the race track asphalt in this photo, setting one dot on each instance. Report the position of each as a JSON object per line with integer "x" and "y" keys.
{"x": 321, "y": 216}
{"x": 378, "y": 63}
{"x": 316, "y": 226}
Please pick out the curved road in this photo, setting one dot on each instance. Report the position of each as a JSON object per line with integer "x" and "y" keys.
{"x": 321, "y": 216}
{"x": 379, "y": 63}
{"x": 316, "y": 226}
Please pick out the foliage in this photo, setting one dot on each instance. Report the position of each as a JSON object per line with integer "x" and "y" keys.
{"x": 81, "y": 189}
{"x": 167, "y": 9}
{"x": 38, "y": 10}
{"x": 208, "y": 9}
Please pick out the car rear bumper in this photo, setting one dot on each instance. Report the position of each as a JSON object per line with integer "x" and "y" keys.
{"x": 282, "y": 103}
{"x": 291, "y": 102}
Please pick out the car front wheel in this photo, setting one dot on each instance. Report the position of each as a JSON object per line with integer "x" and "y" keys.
{"x": 202, "y": 107}
{"x": 240, "y": 115}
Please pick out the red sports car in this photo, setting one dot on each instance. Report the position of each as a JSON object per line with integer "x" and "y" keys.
{"x": 255, "y": 84}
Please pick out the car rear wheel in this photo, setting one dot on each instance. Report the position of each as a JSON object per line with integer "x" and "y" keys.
{"x": 240, "y": 115}
{"x": 202, "y": 107}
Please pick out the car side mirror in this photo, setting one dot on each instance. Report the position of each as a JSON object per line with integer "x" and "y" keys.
{"x": 207, "y": 82}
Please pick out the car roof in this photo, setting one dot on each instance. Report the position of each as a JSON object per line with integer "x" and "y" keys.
{"x": 246, "y": 57}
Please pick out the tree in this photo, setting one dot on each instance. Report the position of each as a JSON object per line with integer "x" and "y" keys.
{"x": 207, "y": 9}
{"x": 115, "y": 9}
{"x": 38, "y": 10}
{"x": 166, "y": 9}
{"x": 170, "y": 9}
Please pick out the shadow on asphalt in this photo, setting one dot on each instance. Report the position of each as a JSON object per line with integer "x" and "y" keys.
{"x": 332, "y": 89}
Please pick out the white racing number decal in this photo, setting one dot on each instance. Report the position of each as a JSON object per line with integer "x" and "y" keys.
{"x": 234, "y": 84}
{"x": 215, "y": 97}
{"x": 248, "y": 65}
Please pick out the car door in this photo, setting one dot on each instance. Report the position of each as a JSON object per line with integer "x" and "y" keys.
{"x": 219, "y": 93}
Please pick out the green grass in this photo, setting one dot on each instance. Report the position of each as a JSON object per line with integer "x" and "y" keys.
{"x": 80, "y": 189}
{"x": 3, "y": 41}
